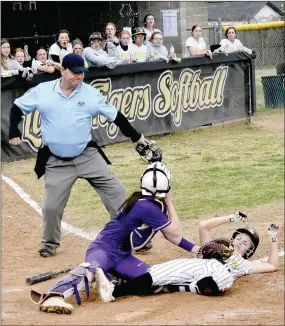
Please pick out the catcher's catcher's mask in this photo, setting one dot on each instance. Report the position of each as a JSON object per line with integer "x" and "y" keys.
{"x": 254, "y": 237}
{"x": 155, "y": 180}
{"x": 149, "y": 153}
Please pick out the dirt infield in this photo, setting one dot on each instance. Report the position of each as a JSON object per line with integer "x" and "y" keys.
{"x": 254, "y": 300}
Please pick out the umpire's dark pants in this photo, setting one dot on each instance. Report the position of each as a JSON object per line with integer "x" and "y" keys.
{"x": 59, "y": 178}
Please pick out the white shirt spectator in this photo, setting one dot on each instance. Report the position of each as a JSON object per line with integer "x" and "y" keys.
{"x": 236, "y": 45}
{"x": 197, "y": 45}
{"x": 140, "y": 52}
{"x": 13, "y": 67}
{"x": 124, "y": 56}
{"x": 156, "y": 52}
{"x": 99, "y": 58}
{"x": 149, "y": 33}
{"x": 56, "y": 49}
{"x": 36, "y": 64}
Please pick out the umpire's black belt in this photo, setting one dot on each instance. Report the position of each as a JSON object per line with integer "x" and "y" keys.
{"x": 44, "y": 154}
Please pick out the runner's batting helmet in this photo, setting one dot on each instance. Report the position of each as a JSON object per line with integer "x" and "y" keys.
{"x": 254, "y": 237}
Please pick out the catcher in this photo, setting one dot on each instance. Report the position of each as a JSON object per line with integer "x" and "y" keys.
{"x": 219, "y": 263}
{"x": 112, "y": 248}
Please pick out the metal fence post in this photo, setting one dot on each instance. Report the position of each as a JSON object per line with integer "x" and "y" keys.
{"x": 220, "y": 29}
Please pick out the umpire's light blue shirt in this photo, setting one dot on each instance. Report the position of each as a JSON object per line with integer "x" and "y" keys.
{"x": 66, "y": 121}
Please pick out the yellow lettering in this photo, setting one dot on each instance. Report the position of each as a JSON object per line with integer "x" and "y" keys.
{"x": 32, "y": 130}
{"x": 161, "y": 102}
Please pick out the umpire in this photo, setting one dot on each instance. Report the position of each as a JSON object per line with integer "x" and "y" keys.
{"x": 66, "y": 106}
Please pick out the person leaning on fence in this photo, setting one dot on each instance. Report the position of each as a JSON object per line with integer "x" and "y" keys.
{"x": 20, "y": 56}
{"x": 231, "y": 44}
{"x": 195, "y": 44}
{"x": 95, "y": 55}
{"x": 61, "y": 47}
{"x": 111, "y": 40}
{"x": 67, "y": 106}
{"x": 77, "y": 47}
{"x": 10, "y": 66}
{"x": 148, "y": 22}
{"x": 155, "y": 48}
{"x": 139, "y": 49}
{"x": 124, "y": 50}
{"x": 41, "y": 64}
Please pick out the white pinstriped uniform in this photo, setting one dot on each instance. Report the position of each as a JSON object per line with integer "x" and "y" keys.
{"x": 184, "y": 270}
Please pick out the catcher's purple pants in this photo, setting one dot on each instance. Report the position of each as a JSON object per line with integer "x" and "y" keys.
{"x": 123, "y": 263}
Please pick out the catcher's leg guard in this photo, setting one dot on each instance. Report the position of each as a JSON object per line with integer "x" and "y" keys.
{"x": 76, "y": 280}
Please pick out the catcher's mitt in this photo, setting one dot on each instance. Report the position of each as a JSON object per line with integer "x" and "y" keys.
{"x": 219, "y": 249}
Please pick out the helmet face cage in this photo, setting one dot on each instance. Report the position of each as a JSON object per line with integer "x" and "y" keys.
{"x": 159, "y": 170}
{"x": 254, "y": 238}
{"x": 149, "y": 153}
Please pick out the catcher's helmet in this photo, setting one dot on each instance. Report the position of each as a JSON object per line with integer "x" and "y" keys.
{"x": 254, "y": 239}
{"x": 138, "y": 31}
{"x": 95, "y": 36}
{"x": 155, "y": 180}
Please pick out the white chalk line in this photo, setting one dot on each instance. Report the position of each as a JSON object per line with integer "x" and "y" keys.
{"x": 69, "y": 228}
{"x": 64, "y": 225}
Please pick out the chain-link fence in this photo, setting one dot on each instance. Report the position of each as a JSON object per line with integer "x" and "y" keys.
{"x": 267, "y": 43}
{"x": 36, "y": 23}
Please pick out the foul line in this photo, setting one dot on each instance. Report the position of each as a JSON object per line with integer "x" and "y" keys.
{"x": 65, "y": 226}
{"x": 74, "y": 230}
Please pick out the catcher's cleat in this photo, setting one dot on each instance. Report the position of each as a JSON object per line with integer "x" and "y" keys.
{"x": 51, "y": 302}
{"x": 104, "y": 287}
{"x": 56, "y": 305}
{"x": 47, "y": 251}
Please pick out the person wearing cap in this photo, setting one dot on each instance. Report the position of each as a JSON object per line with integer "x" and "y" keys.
{"x": 95, "y": 55}
{"x": 138, "y": 47}
{"x": 67, "y": 106}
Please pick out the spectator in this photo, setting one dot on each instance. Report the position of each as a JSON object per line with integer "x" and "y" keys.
{"x": 124, "y": 50}
{"x": 155, "y": 48}
{"x": 61, "y": 47}
{"x": 77, "y": 47}
{"x": 195, "y": 44}
{"x": 231, "y": 44}
{"x": 148, "y": 22}
{"x": 41, "y": 64}
{"x": 139, "y": 49}
{"x": 10, "y": 66}
{"x": 95, "y": 55}
{"x": 112, "y": 41}
{"x": 20, "y": 56}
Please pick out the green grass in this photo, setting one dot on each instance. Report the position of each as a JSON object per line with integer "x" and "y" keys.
{"x": 222, "y": 168}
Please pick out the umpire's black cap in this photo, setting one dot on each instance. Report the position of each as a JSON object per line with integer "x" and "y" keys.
{"x": 73, "y": 62}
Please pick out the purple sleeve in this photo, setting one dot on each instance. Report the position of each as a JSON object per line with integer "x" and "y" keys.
{"x": 152, "y": 215}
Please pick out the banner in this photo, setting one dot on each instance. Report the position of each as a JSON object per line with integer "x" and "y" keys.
{"x": 156, "y": 101}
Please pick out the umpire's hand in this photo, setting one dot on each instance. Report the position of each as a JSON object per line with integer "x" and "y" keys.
{"x": 15, "y": 141}
{"x": 142, "y": 141}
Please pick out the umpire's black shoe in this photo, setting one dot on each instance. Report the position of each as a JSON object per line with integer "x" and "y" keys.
{"x": 147, "y": 247}
{"x": 47, "y": 251}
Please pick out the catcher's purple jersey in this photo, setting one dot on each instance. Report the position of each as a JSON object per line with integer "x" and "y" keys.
{"x": 116, "y": 234}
